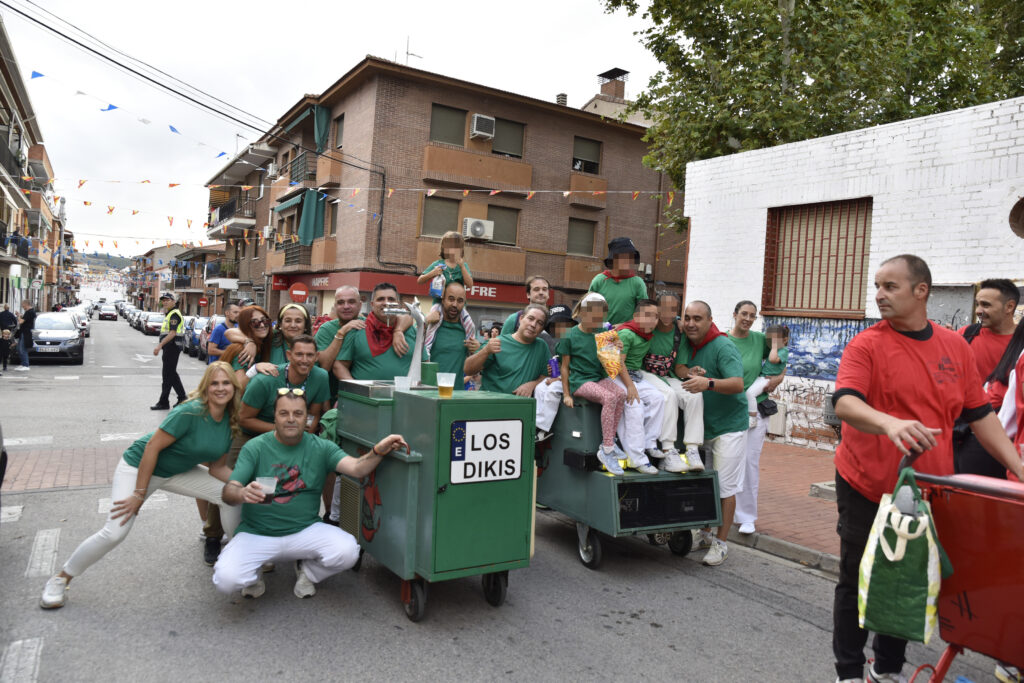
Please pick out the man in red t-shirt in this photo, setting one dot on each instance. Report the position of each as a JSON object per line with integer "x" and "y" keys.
{"x": 994, "y": 304}
{"x": 901, "y": 384}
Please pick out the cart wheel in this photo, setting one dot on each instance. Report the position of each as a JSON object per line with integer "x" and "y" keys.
{"x": 359, "y": 561}
{"x": 681, "y": 542}
{"x": 417, "y": 604}
{"x": 658, "y": 539}
{"x": 589, "y": 546}
{"x": 495, "y": 587}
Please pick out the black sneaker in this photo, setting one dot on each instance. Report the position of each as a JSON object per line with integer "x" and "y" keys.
{"x": 160, "y": 406}
{"x": 211, "y": 550}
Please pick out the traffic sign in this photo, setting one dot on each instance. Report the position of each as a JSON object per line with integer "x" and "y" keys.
{"x": 203, "y": 301}
{"x": 298, "y": 292}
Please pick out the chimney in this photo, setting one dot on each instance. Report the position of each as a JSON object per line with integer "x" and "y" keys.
{"x": 562, "y": 99}
{"x": 613, "y": 83}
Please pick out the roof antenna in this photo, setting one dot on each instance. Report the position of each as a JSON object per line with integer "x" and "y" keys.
{"x": 409, "y": 54}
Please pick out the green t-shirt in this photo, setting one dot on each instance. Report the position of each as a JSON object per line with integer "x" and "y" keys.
{"x": 621, "y": 296}
{"x": 753, "y": 351}
{"x": 323, "y": 339}
{"x": 723, "y": 413}
{"x": 277, "y": 352}
{"x": 584, "y": 365}
{"x": 513, "y": 366}
{"x": 261, "y": 392}
{"x": 385, "y": 366}
{"x": 662, "y": 343}
{"x": 509, "y": 326}
{"x": 635, "y": 347}
{"x": 770, "y": 369}
{"x": 198, "y": 438}
{"x": 301, "y": 468}
{"x": 449, "y": 350}
{"x": 450, "y": 274}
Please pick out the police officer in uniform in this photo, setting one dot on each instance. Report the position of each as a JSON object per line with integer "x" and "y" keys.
{"x": 171, "y": 339}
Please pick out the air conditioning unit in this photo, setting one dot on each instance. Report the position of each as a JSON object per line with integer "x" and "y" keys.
{"x": 272, "y": 171}
{"x": 482, "y": 127}
{"x": 477, "y": 229}
{"x": 268, "y": 230}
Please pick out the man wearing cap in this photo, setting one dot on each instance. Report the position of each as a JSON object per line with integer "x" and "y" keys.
{"x": 171, "y": 338}
{"x": 619, "y": 284}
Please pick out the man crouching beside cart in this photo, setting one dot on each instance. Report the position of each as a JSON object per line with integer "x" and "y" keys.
{"x": 901, "y": 384}
{"x": 283, "y": 523}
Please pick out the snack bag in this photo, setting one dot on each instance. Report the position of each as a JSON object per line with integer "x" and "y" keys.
{"x": 609, "y": 352}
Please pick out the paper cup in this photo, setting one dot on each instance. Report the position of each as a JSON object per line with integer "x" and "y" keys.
{"x": 269, "y": 486}
{"x": 403, "y": 383}
{"x": 445, "y": 384}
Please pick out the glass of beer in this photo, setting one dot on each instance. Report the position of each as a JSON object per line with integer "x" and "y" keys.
{"x": 445, "y": 384}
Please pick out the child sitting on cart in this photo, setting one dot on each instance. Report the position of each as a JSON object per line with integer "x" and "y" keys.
{"x": 548, "y": 393}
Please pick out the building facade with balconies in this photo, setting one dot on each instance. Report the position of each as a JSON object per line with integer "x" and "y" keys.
{"x": 553, "y": 184}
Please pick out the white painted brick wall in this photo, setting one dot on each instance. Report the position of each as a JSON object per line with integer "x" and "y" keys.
{"x": 942, "y": 188}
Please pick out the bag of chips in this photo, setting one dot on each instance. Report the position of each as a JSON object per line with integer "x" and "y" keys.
{"x": 609, "y": 352}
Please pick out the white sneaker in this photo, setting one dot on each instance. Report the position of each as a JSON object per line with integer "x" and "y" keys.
{"x": 716, "y": 553}
{"x": 753, "y": 421}
{"x": 254, "y": 590}
{"x": 704, "y": 539}
{"x": 1007, "y": 673}
{"x": 54, "y": 592}
{"x": 747, "y": 528}
{"x": 21, "y": 368}
{"x": 609, "y": 459}
{"x": 654, "y": 453}
{"x": 850, "y": 680}
{"x": 672, "y": 462}
{"x": 641, "y": 464}
{"x": 693, "y": 461}
{"x": 541, "y": 436}
{"x": 304, "y": 588}
{"x": 874, "y": 677}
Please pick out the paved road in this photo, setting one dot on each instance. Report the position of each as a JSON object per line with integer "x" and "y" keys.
{"x": 148, "y": 611}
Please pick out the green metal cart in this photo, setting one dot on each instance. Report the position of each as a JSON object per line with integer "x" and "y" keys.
{"x": 460, "y": 504}
{"x": 572, "y": 482}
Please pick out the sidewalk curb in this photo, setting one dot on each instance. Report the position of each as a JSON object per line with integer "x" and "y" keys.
{"x": 815, "y": 559}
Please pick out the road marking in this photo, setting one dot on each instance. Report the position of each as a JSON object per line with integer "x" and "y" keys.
{"x": 44, "y": 553}
{"x": 154, "y": 502}
{"x": 20, "y": 663}
{"x": 29, "y": 441}
{"x": 10, "y": 513}
{"x": 125, "y": 436}
{"x": 108, "y": 366}
{"x": 143, "y": 359}
{"x": 112, "y": 376}
{"x": 71, "y": 377}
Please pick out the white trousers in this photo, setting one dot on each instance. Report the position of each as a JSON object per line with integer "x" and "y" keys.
{"x": 549, "y": 398}
{"x": 641, "y": 420}
{"x": 324, "y": 550}
{"x": 728, "y": 453}
{"x": 676, "y": 399}
{"x": 746, "y": 500}
{"x": 195, "y": 483}
{"x": 753, "y": 392}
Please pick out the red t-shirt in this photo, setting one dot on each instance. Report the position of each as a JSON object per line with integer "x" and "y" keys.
{"x": 929, "y": 380}
{"x": 987, "y": 348}
{"x": 996, "y": 392}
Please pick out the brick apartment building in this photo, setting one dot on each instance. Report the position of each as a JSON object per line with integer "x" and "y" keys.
{"x": 357, "y": 185}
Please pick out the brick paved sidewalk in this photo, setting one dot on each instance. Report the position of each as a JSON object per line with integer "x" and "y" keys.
{"x": 785, "y": 510}
{"x": 28, "y": 470}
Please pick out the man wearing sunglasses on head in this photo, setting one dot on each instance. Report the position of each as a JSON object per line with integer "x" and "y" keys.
{"x": 300, "y": 373}
{"x": 278, "y": 480}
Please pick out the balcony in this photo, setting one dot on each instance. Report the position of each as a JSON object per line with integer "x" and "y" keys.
{"x": 588, "y": 191}
{"x": 36, "y": 253}
{"x": 222, "y": 268}
{"x": 297, "y": 255}
{"x": 447, "y": 165}
{"x": 300, "y": 174}
{"x": 232, "y": 219}
{"x": 182, "y": 283}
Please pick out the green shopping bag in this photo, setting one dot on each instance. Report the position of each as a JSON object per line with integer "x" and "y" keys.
{"x": 329, "y": 423}
{"x": 902, "y": 569}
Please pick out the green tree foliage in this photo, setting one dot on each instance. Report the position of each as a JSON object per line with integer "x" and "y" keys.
{"x": 745, "y": 74}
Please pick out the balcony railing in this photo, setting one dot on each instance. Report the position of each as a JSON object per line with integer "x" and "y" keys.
{"x": 9, "y": 160}
{"x": 182, "y": 282}
{"x": 235, "y": 208}
{"x": 222, "y": 268}
{"x": 296, "y": 254}
{"x": 302, "y": 168}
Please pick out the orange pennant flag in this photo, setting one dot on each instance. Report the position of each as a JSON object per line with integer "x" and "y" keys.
{"x": 529, "y": 195}
{"x": 636, "y": 194}
{"x": 295, "y": 238}
{"x": 115, "y": 244}
{"x": 465, "y": 193}
{"x": 28, "y": 178}
{"x": 200, "y": 243}
{"x": 27, "y": 192}
{"x": 168, "y": 243}
{"x": 213, "y": 187}
{"x": 87, "y": 203}
{"x": 671, "y": 198}
{"x": 206, "y": 225}
{"x": 494, "y": 192}
{"x": 101, "y": 243}
{"x": 56, "y": 199}
{"x": 566, "y": 193}
{"x": 188, "y": 221}
{"x": 173, "y": 184}
{"x": 80, "y": 183}
{"x": 50, "y": 180}
{"x": 110, "y": 210}
{"x": 355, "y": 192}
{"x": 170, "y": 220}
{"x": 391, "y": 191}
{"x": 87, "y": 243}
{"x": 145, "y": 181}
{"x": 134, "y": 211}
{"x": 136, "y": 241}
{"x": 247, "y": 187}
{"x": 598, "y": 192}
{"x": 431, "y": 193}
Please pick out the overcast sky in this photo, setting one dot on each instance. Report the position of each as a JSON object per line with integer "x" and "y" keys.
{"x": 262, "y": 57}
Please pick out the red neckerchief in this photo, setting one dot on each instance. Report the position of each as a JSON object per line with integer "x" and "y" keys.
{"x": 713, "y": 332}
{"x": 619, "y": 278}
{"x": 379, "y": 335}
{"x": 635, "y": 328}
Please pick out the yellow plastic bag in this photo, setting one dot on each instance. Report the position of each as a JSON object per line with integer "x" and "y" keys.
{"x": 609, "y": 352}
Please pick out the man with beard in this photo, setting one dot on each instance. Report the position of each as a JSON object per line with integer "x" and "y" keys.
{"x": 450, "y": 347}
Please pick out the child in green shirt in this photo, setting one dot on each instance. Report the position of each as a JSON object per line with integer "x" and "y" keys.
{"x": 451, "y": 267}
{"x": 778, "y": 337}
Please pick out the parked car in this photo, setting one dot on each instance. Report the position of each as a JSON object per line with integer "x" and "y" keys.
{"x": 58, "y": 336}
{"x": 83, "y": 320}
{"x": 192, "y": 330}
{"x": 153, "y": 323}
{"x": 108, "y": 312}
{"x": 204, "y": 335}
{"x": 127, "y": 310}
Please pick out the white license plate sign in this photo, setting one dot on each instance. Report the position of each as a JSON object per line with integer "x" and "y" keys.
{"x": 486, "y": 450}
{"x": 48, "y": 349}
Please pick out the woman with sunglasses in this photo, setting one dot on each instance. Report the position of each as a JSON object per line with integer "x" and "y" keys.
{"x": 254, "y": 325}
{"x": 197, "y": 431}
{"x": 292, "y": 320}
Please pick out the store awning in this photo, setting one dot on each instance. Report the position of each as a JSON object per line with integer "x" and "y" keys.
{"x": 289, "y": 203}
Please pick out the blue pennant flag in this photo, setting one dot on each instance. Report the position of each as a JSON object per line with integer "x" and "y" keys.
{"x": 222, "y": 154}
{"x": 36, "y": 74}
{"x": 110, "y": 107}
{"x": 174, "y": 130}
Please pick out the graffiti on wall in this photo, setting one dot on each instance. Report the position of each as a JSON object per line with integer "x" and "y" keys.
{"x": 816, "y": 344}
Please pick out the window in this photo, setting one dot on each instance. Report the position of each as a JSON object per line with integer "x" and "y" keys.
{"x": 816, "y": 258}
{"x": 506, "y": 223}
{"x": 332, "y": 220}
{"x": 581, "y": 237}
{"x": 439, "y": 216}
{"x": 508, "y": 138}
{"x": 448, "y": 125}
{"x": 586, "y": 155}
{"x": 339, "y": 130}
